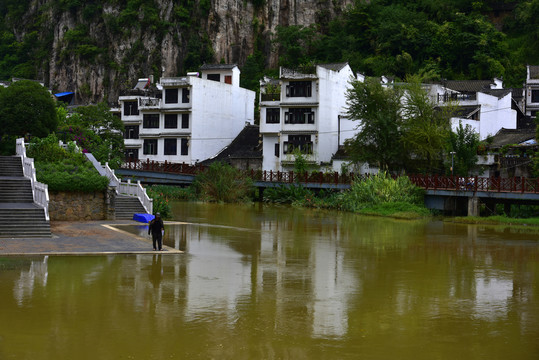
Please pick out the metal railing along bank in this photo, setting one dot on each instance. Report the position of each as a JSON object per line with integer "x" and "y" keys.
{"x": 429, "y": 182}
{"x": 40, "y": 191}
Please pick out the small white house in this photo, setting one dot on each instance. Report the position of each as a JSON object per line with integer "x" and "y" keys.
{"x": 189, "y": 119}
{"x": 305, "y": 112}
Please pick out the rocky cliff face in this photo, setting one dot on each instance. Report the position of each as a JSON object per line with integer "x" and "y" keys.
{"x": 99, "y": 48}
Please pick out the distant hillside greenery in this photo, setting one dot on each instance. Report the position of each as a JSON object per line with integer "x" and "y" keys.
{"x": 451, "y": 39}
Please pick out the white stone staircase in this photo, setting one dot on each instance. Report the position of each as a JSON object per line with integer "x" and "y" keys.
{"x": 20, "y": 216}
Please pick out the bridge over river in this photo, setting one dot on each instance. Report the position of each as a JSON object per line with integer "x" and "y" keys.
{"x": 451, "y": 194}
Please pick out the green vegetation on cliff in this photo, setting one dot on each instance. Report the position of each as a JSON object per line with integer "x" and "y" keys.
{"x": 452, "y": 39}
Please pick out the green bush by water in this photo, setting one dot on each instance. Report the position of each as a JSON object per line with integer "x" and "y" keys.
{"x": 223, "y": 183}
{"x": 377, "y": 195}
{"x": 163, "y": 194}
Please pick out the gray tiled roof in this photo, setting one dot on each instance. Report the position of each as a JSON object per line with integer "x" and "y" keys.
{"x": 334, "y": 66}
{"x": 217, "y": 66}
{"x": 511, "y": 136}
{"x": 468, "y": 85}
{"x": 245, "y": 146}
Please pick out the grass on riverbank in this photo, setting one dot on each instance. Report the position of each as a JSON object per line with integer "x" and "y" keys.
{"x": 495, "y": 220}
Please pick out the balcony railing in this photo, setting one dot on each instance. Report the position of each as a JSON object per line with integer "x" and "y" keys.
{"x": 149, "y": 103}
{"x": 456, "y": 97}
{"x": 271, "y": 97}
{"x": 179, "y": 81}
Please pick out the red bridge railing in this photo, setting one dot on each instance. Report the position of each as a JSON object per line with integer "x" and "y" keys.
{"x": 429, "y": 182}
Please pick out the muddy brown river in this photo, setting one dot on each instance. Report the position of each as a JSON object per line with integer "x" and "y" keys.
{"x": 265, "y": 282}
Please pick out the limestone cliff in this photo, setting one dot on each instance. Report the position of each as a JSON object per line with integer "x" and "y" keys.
{"x": 98, "y": 48}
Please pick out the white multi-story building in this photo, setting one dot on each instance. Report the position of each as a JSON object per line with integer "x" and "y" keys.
{"x": 189, "y": 119}
{"x": 304, "y": 112}
{"x": 482, "y": 104}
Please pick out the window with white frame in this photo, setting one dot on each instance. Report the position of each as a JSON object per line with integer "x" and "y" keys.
{"x": 171, "y": 146}
{"x": 150, "y": 121}
{"x": 184, "y": 146}
{"x": 185, "y": 121}
{"x": 535, "y": 96}
{"x": 150, "y": 147}
{"x": 299, "y": 89}
{"x": 185, "y": 95}
{"x": 273, "y": 115}
{"x": 302, "y": 143}
{"x": 131, "y": 108}
{"x": 171, "y": 96}
{"x": 171, "y": 121}
{"x": 299, "y": 116}
{"x": 131, "y": 132}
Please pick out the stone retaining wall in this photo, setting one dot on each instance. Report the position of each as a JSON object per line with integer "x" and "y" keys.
{"x": 78, "y": 206}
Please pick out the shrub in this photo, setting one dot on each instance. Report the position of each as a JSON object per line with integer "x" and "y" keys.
{"x": 381, "y": 188}
{"x": 70, "y": 175}
{"x": 221, "y": 182}
{"x": 162, "y": 194}
{"x": 287, "y": 194}
{"x": 64, "y": 170}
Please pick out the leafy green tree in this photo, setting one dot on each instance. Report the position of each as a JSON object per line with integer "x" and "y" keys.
{"x": 27, "y": 109}
{"x": 379, "y": 140}
{"x": 296, "y": 45}
{"x": 425, "y": 128}
{"x": 464, "y": 143}
{"x": 95, "y": 129}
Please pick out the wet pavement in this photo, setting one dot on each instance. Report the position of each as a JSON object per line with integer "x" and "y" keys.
{"x": 83, "y": 238}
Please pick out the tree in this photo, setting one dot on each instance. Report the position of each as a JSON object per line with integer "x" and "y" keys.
{"x": 425, "y": 128}
{"x": 27, "y": 109}
{"x": 95, "y": 129}
{"x": 464, "y": 143}
{"x": 379, "y": 140}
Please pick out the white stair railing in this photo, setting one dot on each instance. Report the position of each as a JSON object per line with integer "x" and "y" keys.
{"x": 40, "y": 191}
{"x": 124, "y": 188}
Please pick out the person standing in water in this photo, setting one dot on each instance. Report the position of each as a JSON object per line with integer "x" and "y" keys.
{"x": 157, "y": 229}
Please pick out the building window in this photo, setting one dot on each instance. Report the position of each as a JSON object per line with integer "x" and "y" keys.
{"x": 171, "y": 121}
{"x": 185, "y": 121}
{"x": 185, "y": 95}
{"x": 299, "y": 89}
{"x": 273, "y": 115}
{"x": 535, "y": 96}
{"x": 277, "y": 150}
{"x": 184, "y": 146}
{"x": 301, "y": 142}
{"x": 299, "y": 116}
{"x": 214, "y": 77}
{"x": 171, "y": 96}
{"x": 131, "y": 155}
{"x": 150, "y": 121}
{"x": 228, "y": 79}
{"x": 171, "y": 146}
{"x": 150, "y": 147}
{"x": 131, "y": 132}
{"x": 130, "y": 108}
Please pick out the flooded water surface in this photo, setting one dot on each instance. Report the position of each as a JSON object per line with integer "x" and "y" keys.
{"x": 282, "y": 283}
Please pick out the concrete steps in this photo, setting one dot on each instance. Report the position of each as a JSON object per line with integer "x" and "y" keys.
{"x": 15, "y": 189}
{"x": 127, "y": 206}
{"x": 19, "y": 216}
{"x": 24, "y": 222}
{"x": 11, "y": 166}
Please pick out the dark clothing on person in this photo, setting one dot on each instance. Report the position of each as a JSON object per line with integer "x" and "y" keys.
{"x": 155, "y": 228}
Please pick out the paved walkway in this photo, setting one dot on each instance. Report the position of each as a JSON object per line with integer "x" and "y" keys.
{"x": 83, "y": 238}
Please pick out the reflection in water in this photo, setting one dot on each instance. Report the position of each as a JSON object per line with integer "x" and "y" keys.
{"x": 282, "y": 283}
